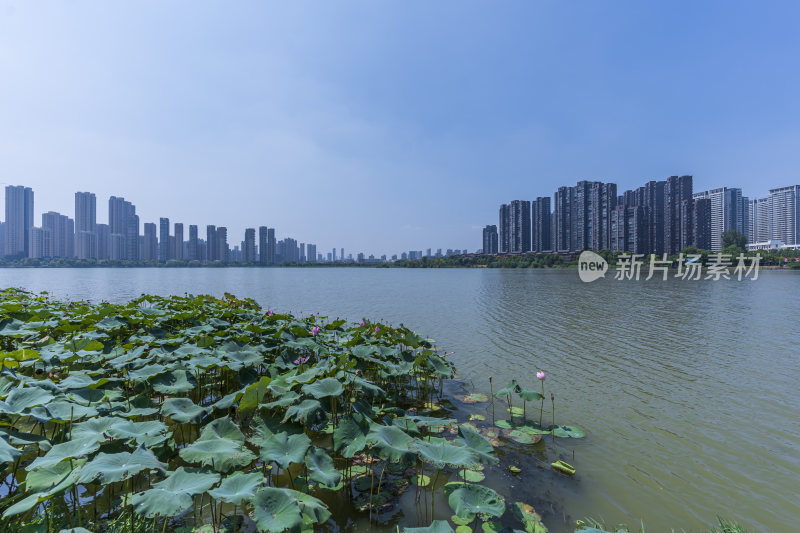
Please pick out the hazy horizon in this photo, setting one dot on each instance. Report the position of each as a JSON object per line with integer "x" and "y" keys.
{"x": 382, "y": 127}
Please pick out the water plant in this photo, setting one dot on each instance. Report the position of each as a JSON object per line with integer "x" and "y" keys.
{"x": 209, "y": 412}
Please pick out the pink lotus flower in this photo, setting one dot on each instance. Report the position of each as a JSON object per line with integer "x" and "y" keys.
{"x": 377, "y": 329}
{"x": 362, "y": 323}
{"x": 540, "y": 375}
{"x": 314, "y": 331}
{"x": 270, "y": 313}
{"x": 302, "y": 360}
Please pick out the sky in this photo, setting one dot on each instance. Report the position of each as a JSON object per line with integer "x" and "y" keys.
{"x": 388, "y": 126}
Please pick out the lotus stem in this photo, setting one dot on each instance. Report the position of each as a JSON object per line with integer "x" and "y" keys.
{"x": 380, "y": 480}
{"x": 491, "y": 397}
{"x": 541, "y": 407}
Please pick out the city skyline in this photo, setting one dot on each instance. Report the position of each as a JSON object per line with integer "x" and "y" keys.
{"x": 336, "y": 130}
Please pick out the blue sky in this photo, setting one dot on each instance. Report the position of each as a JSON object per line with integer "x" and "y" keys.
{"x": 388, "y": 126}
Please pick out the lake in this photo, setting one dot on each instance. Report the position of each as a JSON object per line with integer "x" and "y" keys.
{"x": 687, "y": 391}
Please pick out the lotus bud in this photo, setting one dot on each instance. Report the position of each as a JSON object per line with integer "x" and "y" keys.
{"x": 540, "y": 375}
{"x": 362, "y": 323}
{"x": 314, "y": 331}
{"x": 377, "y": 329}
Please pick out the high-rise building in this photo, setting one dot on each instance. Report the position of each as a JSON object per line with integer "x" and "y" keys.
{"x": 211, "y": 244}
{"x": 59, "y": 235}
{"x": 334, "y": 254}
{"x": 249, "y": 245}
{"x": 123, "y": 221}
{"x": 38, "y": 245}
{"x": 271, "y": 246}
{"x": 676, "y": 190}
{"x": 178, "y": 241}
{"x": 728, "y": 212}
{"x": 520, "y": 226}
{"x": 223, "y": 251}
{"x": 541, "y": 231}
{"x": 582, "y": 216}
{"x": 784, "y": 204}
{"x": 303, "y": 252}
{"x": 163, "y": 240}
{"x": 87, "y": 243}
{"x": 504, "y": 225}
{"x": 103, "y": 242}
{"x": 489, "y": 240}
{"x": 562, "y": 220}
{"x": 150, "y": 243}
{"x": 192, "y": 248}
{"x": 701, "y": 221}
{"x": 262, "y": 244}
{"x": 19, "y": 220}
{"x": 759, "y": 220}
{"x": 341, "y": 254}
{"x": 628, "y": 230}
{"x": 311, "y": 252}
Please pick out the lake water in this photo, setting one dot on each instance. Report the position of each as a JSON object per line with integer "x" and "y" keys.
{"x": 687, "y": 391}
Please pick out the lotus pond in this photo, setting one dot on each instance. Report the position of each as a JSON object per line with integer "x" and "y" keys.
{"x": 212, "y": 414}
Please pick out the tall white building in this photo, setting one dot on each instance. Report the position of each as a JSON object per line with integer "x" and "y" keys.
{"x": 729, "y": 211}
{"x": 760, "y": 222}
{"x": 785, "y": 213}
{"x": 86, "y": 238}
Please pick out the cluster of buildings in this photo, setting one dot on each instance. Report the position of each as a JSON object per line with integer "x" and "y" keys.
{"x": 124, "y": 238}
{"x": 660, "y": 217}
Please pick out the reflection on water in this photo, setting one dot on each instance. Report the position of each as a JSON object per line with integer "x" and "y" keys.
{"x": 687, "y": 390}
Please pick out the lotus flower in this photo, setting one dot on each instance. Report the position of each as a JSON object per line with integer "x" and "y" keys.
{"x": 314, "y": 331}
{"x": 540, "y": 375}
{"x": 362, "y": 323}
{"x": 377, "y": 330}
{"x": 270, "y": 313}
{"x": 302, "y": 360}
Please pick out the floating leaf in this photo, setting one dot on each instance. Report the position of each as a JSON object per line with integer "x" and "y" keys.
{"x": 473, "y": 476}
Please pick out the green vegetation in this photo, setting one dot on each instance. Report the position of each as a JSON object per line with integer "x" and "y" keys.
{"x": 205, "y": 414}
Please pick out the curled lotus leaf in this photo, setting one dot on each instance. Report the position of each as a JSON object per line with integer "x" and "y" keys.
{"x": 182, "y": 410}
{"x": 323, "y": 388}
{"x": 308, "y": 412}
{"x": 284, "y": 449}
{"x": 391, "y": 443}
{"x": 444, "y": 454}
{"x": 468, "y": 500}
{"x": 321, "y": 469}
{"x": 177, "y": 381}
{"x": 529, "y": 395}
{"x": 470, "y": 438}
{"x": 237, "y": 487}
{"x": 222, "y": 455}
{"x": 113, "y": 467}
{"x": 8, "y": 453}
{"x": 20, "y": 399}
{"x": 277, "y": 509}
{"x": 173, "y": 495}
{"x": 350, "y": 436}
{"x": 66, "y": 450}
